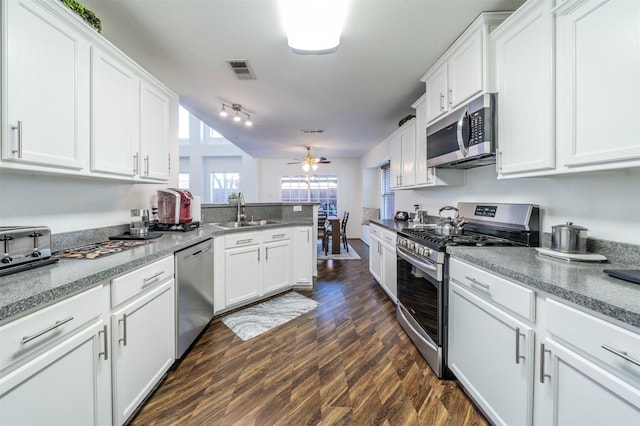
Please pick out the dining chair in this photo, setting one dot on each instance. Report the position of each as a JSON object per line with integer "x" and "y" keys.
{"x": 343, "y": 230}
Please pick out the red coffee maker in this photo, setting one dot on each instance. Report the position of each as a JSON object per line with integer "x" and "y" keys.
{"x": 174, "y": 206}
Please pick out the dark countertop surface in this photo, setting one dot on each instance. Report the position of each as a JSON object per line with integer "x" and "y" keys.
{"x": 25, "y": 292}
{"x": 580, "y": 283}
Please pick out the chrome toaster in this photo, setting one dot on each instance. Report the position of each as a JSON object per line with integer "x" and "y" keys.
{"x": 23, "y": 246}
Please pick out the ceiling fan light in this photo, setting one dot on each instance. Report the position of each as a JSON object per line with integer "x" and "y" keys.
{"x": 305, "y": 167}
{"x": 313, "y": 26}
{"x": 314, "y": 166}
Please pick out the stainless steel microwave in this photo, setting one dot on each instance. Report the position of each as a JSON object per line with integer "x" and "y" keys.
{"x": 465, "y": 138}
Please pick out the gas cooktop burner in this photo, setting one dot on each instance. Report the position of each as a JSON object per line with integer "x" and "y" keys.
{"x": 429, "y": 237}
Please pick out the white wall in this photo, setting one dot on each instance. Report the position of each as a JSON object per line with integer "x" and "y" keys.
{"x": 349, "y": 173}
{"x": 70, "y": 204}
{"x": 607, "y": 203}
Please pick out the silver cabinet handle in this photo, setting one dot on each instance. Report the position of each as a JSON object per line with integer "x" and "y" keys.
{"x": 57, "y": 324}
{"x": 307, "y": 235}
{"x": 450, "y": 101}
{"x": 105, "y": 342}
{"x": 124, "y": 329}
{"x": 18, "y": 127}
{"x": 542, "y": 373}
{"x": 266, "y": 254}
{"x": 441, "y": 101}
{"x": 246, "y": 241}
{"x": 518, "y": 356}
{"x": 621, "y": 354}
{"x": 152, "y": 279}
{"x": 476, "y": 282}
{"x": 258, "y": 254}
{"x": 135, "y": 164}
{"x": 279, "y": 236}
{"x": 146, "y": 165}
{"x": 499, "y": 155}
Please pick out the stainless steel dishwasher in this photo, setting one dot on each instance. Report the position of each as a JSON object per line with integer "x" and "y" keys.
{"x": 194, "y": 298}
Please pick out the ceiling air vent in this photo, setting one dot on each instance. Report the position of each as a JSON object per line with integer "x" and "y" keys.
{"x": 312, "y": 131}
{"x": 240, "y": 68}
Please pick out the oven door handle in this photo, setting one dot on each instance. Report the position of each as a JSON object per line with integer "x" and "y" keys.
{"x": 415, "y": 261}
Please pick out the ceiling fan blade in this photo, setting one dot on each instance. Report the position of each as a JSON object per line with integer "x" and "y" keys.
{"x": 297, "y": 162}
{"x": 325, "y": 161}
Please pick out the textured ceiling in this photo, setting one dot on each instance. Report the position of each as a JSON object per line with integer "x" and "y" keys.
{"x": 357, "y": 95}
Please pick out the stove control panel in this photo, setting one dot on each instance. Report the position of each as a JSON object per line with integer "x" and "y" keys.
{"x": 419, "y": 250}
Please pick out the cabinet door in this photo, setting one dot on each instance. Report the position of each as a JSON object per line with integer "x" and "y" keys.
{"x": 47, "y": 81}
{"x": 437, "y": 93}
{"x": 409, "y": 155}
{"x": 114, "y": 115}
{"x": 243, "y": 274}
{"x": 143, "y": 347}
{"x": 598, "y": 64}
{"x": 423, "y": 175}
{"x": 577, "y": 392}
{"x": 491, "y": 353}
{"x": 154, "y": 132}
{"x": 277, "y": 266}
{"x": 524, "y": 62}
{"x": 389, "y": 271}
{"x": 69, "y": 384}
{"x": 396, "y": 161}
{"x": 466, "y": 69}
{"x": 375, "y": 259}
{"x": 304, "y": 256}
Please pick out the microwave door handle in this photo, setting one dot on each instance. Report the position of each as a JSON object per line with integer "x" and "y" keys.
{"x": 459, "y": 132}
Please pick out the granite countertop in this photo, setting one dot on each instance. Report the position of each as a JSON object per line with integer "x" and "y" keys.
{"x": 24, "y": 292}
{"x": 581, "y": 283}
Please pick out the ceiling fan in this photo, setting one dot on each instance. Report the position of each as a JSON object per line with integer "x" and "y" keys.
{"x": 310, "y": 162}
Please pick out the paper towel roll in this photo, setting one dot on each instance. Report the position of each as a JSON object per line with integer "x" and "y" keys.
{"x": 196, "y": 210}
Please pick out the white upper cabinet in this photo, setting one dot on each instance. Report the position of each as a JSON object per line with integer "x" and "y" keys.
{"x": 91, "y": 111}
{"x": 114, "y": 112}
{"x": 463, "y": 71}
{"x": 568, "y": 84}
{"x": 154, "y": 131}
{"x": 598, "y": 82}
{"x": 524, "y": 80}
{"x": 46, "y": 105}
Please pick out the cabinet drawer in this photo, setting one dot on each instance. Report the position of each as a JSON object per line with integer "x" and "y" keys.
{"x": 375, "y": 231}
{"x": 132, "y": 283}
{"x": 25, "y": 336}
{"x": 388, "y": 237}
{"x": 512, "y": 296}
{"x": 276, "y": 234}
{"x": 591, "y": 335}
{"x": 241, "y": 239}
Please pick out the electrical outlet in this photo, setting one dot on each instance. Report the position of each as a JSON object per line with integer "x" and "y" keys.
{"x": 297, "y": 208}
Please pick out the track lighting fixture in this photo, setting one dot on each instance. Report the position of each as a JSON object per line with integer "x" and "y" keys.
{"x": 239, "y": 112}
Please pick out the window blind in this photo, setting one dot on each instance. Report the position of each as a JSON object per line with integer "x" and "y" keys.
{"x": 388, "y": 193}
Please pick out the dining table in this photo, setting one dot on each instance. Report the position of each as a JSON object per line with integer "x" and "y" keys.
{"x": 335, "y": 234}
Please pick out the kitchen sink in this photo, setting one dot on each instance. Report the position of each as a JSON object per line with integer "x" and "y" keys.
{"x": 235, "y": 225}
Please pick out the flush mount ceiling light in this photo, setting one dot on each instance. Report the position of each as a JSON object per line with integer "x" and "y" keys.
{"x": 313, "y": 26}
{"x": 239, "y": 111}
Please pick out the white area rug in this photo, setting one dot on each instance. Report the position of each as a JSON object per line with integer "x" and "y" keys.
{"x": 255, "y": 320}
{"x": 344, "y": 255}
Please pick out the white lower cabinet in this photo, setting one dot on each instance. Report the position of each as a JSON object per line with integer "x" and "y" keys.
{"x": 304, "y": 249}
{"x": 56, "y": 364}
{"x": 242, "y": 268}
{"x": 382, "y": 260}
{"x": 538, "y": 361}
{"x": 277, "y": 265}
{"x": 143, "y": 335}
{"x": 491, "y": 353}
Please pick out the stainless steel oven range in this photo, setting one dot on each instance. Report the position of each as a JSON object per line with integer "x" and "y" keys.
{"x": 423, "y": 268}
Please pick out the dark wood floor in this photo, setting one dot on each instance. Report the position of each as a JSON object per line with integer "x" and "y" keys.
{"x": 348, "y": 362}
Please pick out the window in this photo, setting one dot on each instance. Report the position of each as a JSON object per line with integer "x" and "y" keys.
{"x": 311, "y": 188}
{"x": 222, "y": 184}
{"x": 388, "y": 194}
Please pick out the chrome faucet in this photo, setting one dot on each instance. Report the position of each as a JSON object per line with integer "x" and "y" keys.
{"x": 241, "y": 215}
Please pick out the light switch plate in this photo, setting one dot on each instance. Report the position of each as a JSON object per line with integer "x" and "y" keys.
{"x": 297, "y": 208}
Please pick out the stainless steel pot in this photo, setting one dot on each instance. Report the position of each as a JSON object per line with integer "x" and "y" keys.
{"x": 569, "y": 238}
{"x": 449, "y": 226}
